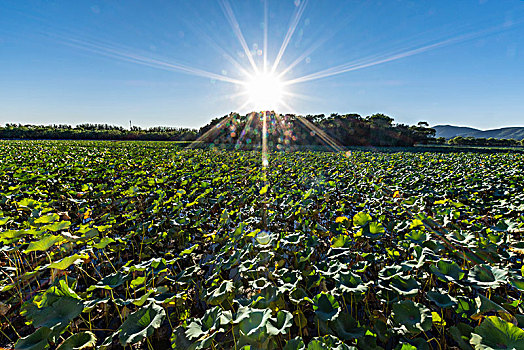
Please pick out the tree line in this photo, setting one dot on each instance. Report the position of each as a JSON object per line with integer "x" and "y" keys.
{"x": 333, "y": 130}
{"x": 481, "y": 141}
{"x": 283, "y": 131}
{"x": 95, "y": 132}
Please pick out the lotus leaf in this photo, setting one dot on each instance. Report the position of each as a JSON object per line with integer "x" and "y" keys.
{"x": 414, "y": 317}
{"x": 361, "y": 218}
{"x": 341, "y": 241}
{"x": 485, "y": 305}
{"x": 404, "y": 285}
{"x": 389, "y": 272}
{"x": 68, "y": 261}
{"x": 35, "y": 341}
{"x": 295, "y": 344}
{"x": 325, "y": 306}
{"x": 298, "y": 295}
{"x": 349, "y": 282}
{"x": 141, "y": 324}
{"x": 442, "y": 300}
{"x": 58, "y": 226}
{"x": 54, "y": 309}
{"x": 290, "y": 279}
{"x": 484, "y": 276}
{"x": 79, "y": 341}
{"x": 263, "y": 238}
{"x": 43, "y": 244}
{"x": 327, "y": 342}
{"x": 202, "y": 331}
{"x": 111, "y": 281}
{"x": 346, "y": 328}
{"x": 280, "y": 324}
{"x": 252, "y": 322}
{"x": 461, "y": 333}
{"x": 48, "y": 218}
{"x": 375, "y": 230}
{"x": 447, "y": 271}
{"x": 495, "y": 333}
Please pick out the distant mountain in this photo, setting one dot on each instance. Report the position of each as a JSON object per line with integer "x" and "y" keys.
{"x": 450, "y": 131}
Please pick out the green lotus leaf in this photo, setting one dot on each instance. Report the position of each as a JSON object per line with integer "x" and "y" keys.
{"x": 485, "y": 305}
{"x": 389, "y": 272}
{"x": 416, "y": 344}
{"x": 404, "y": 285}
{"x": 35, "y": 341}
{"x": 461, "y": 333}
{"x": 465, "y": 306}
{"x": 210, "y": 323}
{"x": 54, "y": 309}
{"x": 495, "y": 333}
{"x": 43, "y": 244}
{"x": 10, "y": 236}
{"x": 68, "y": 261}
{"x": 346, "y": 328}
{"x": 188, "y": 250}
{"x": 295, "y": 344}
{"x": 375, "y": 230}
{"x": 388, "y": 296}
{"x": 48, "y": 218}
{"x": 331, "y": 269}
{"x": 341, "y": 241}
{"x": 58, "y": 314}
{"x": 314, "y": 279}
{"x": 327, "y": 342}
{"x": 89, "y": 305}
{"x": 187, "y": 275}
{"x": 141, "y": 324}
{"x": 261, "y": 283}
{"x": 298, "y": 295}
{"x": 414, "y": 317}
{"x": 442, "y": 300}
{"x": 484, "y": 276}
{"x": 447, "y": 271}
{"x": 79, "y": 341}
{"x": 252, "y": 322}
{"x": 280, "y": 324}
{"x": 104, "y": 242}
{"x": 416, "y": 236}
{"x": 202, "y": 339}
{"x": 62, "y": 287}
{"x": 267, "y": 298}
{"x": 179, "y": 340}
{"x": 111, "y": 281}
{"x": 325, "y": 306}
{"x": 361, "y": 218}
{"x": 29, "y": 203}
{"x": 290, "y": 279}
{"x": 517, "y": 283}
{"x": 58, "y": 226}
{"x": 369, "y": 342}
{"x": 406, "y": 346}
{"x": 348, "y": 282}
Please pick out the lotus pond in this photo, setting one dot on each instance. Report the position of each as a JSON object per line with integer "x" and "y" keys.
{"x": 147, "y": 245}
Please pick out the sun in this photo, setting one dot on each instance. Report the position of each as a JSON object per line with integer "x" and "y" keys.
{"x": 265, "y": 91}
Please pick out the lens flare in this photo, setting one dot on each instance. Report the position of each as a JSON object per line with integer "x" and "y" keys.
{"x": 265, "y": 91}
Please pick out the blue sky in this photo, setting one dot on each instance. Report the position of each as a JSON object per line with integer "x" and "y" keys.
{"x": 445, "y": 62}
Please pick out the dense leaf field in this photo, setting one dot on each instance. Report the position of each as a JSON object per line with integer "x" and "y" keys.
{"x": 147, "y": 245}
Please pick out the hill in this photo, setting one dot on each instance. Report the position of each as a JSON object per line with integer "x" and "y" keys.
{"x": 450, "y": 131}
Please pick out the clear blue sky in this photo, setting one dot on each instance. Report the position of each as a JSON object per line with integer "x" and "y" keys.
{"x": 445, "y": 62}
